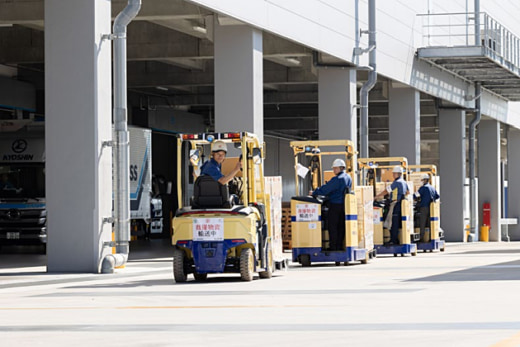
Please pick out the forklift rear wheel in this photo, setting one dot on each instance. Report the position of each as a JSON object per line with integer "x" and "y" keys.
{"x": 246, "y": 264}
{"x": 442, "y": 249}
{"x": 200, "y": 277}
{"x": 269, "y": 271}
{"x": 179, "y": 272}
{"x": 305, "y": 260}
{"x": 413, "y": 254}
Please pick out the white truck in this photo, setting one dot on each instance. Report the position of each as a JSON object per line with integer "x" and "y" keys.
{"x": 145, "y": 204}
{"x": 23, "y": 216}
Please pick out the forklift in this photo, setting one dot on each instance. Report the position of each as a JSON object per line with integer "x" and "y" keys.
{"x": 309, "y": 215}
{"x": 433, "y": 239}
{"x": 377, "y": 172}
{"x": 221, "y": 228}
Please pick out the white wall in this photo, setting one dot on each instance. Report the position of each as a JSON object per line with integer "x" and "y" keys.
{"x": 329, "y": 26}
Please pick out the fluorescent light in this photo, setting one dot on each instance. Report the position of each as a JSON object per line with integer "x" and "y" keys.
{"x": 5, "y": 25}
{"x": 293, "y": 61}
{"x": 199, "y": 29}
{"x": 164, "y": 89}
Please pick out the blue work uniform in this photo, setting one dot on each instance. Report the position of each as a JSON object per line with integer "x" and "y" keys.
{"x": 335, "y": 190}
{"x": 399, "y": 189}
{"x": 428, "y": 195}
{"x": 213, "y": 169}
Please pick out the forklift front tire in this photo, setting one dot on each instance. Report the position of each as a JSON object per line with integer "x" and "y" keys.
{"x": 179, "y": 272}
{"x": 246, "y": 264}
{"x": 305, "y": 260}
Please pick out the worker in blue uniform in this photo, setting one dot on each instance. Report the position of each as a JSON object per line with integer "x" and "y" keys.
{"x": 427, "y": 195}
{"x": 335, "y": 190}
{"x": 398, "y": 191}
{"x": 213, "y": 167}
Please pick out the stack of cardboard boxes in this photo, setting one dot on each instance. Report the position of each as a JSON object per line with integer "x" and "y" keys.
{"x": 273, "y": 187}
{"x": 365, "y": 199}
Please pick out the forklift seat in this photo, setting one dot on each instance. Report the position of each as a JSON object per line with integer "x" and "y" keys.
{"x": 209, "y": 193}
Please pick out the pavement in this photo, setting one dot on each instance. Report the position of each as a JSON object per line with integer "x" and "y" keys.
{"x": 466, "y": 296}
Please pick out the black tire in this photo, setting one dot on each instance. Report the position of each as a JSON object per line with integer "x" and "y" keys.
{"x": 269, "y": 262}
{"x": 442, "y": 249}
{"x": 305, "y": 260}
{"x": 364, "y": 261}
{"x": 395, "y": 254}
{"x": 179, "y": 270}
{"x": 247, "y": 265}
{"x": 200, "y": 277}
{"x": 414, "y": 254}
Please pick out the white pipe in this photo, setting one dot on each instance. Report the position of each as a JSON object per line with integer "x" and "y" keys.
{"x": 473, "y": 209}
{"x": 121, "y": 158}
{"x": 372, "y": 78}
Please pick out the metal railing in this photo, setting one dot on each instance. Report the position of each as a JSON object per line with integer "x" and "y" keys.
{"x": 458, "y": 29}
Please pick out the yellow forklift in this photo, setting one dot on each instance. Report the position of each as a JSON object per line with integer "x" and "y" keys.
{"x": 377, "y": 172}
{"x": 433, "y": 239}
{"x": 309, "y": 224}
{"x": 221, "y": 228}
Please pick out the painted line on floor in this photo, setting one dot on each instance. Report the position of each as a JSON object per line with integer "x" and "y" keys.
{"x": 513, "y": 341}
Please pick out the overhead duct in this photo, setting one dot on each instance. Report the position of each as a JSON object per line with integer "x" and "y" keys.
{"x": 121, "y": 216}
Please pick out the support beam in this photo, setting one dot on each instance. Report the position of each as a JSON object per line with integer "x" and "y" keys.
{"x": 78, "y": 108}
{"x": 489, "y": 174}
{"x": 452, "y": 131}
{"x": 404, "y": 109}
{"x": 513, "y": 177}
{"x": 239, "y": 79}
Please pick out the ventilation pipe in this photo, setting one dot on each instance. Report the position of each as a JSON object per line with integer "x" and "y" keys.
{"x": 473, "y": 226}
{"x": 372, "y": 78}
{"x": 121, "y": 158}
{"x": 472, "y": 177}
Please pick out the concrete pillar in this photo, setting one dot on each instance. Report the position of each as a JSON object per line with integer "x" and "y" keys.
{"x": 336, "y": 100}
{"x": 78, "y": 108}
{"x": 239, "y": 99}
{"x": 404, "y": 111}
{"x": 452, "y": 131}
{"x": 513, "y": 177}
{"x": 489, "y": 173}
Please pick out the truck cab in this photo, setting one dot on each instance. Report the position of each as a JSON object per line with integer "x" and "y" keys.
{"x": 23, "y": 216}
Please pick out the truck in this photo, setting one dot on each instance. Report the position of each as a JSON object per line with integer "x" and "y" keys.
{"x": 23, "y": 217}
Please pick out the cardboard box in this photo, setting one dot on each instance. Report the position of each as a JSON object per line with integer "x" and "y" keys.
{"x": 365, "y": 199}
{"x": 273, "y": 189}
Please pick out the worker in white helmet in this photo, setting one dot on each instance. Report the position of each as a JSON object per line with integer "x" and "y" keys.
{"x": 397, "y": 191}
{"x": 427, "y": 195}
{"x": 213, "y": 167}
{"x": 335, "y": 190}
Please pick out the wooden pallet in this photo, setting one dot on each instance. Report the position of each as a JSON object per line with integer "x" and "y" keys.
{"x": 286, "y": 228}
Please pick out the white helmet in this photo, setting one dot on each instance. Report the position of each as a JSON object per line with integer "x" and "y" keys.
{"x": 425, "y": 177}
{"x": 339, "y": 163}
{"x": 218, "y": 146}
{"x": 398, "y": 169}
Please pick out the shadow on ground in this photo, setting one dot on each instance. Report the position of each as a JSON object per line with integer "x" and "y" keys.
{"x": 508, "y": 271}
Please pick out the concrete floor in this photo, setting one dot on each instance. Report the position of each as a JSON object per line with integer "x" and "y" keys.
{"x": 467, "y": 296}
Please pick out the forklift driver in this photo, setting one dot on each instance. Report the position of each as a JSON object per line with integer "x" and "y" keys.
{"x": 398, "y": 190}
{"x": 335, "y": 190}
{"x": 427, "y": 194}
{"x": 213, "y": 166}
